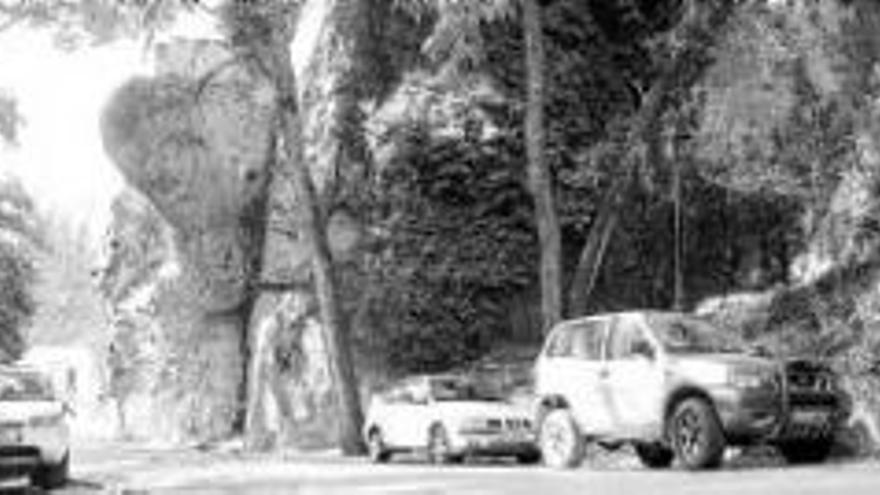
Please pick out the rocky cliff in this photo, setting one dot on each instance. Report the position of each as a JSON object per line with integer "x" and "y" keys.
{"x": 194, "y": 144}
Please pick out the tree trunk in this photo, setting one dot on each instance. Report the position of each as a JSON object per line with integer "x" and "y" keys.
{"x": 593, "y": 253}
{"x": 539, "y": 177}
{"x": 313, "y": 224}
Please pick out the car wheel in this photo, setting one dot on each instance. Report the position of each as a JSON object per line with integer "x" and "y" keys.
{"x": 51, "y": 476}
{"x": 561, "y": 442}
{"x": 857, "y": 439}
{"x": 376, "y": 448}
{"x": 696, "y": 435}
{"x": 865, "y": 445}
{"x": 654, "y": 455}
{"x": 806, "y": 451}
{"x": 439, "y": 450}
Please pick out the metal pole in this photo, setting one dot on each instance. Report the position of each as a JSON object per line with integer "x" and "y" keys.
{"x": 678, "y": 297}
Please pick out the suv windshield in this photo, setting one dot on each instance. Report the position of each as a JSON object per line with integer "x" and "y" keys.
{"x": 451, "y": 389}
{"x": 24, "y": 387}
{"x": 681, "y": 334}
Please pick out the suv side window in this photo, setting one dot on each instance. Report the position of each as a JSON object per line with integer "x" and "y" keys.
{"x": 560, "y": 343}
{"x": 625, "y": 337}
{"x": 587, "y": 341}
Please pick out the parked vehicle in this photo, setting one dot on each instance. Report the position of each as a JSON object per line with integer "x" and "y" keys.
{"x": 676, "y": 387}
{"x": 448, "y": 418}
{"x": 34, "y": 436}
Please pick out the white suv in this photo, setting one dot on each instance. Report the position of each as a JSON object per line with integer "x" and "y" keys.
{"x": 675, "y": 386}
{"x": 34, "y": 436}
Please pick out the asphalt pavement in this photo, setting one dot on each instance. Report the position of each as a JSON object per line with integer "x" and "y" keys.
{"x": 135, "y": 471}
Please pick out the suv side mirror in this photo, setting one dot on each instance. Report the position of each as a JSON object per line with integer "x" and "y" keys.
{"x": 643, "y": 348}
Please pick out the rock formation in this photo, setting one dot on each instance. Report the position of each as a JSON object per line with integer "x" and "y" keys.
{"x": 194, "y": 143}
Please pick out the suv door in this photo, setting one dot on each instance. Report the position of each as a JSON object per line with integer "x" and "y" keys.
{"x": 572, "y": 368}
{"x": 633, "y": 379}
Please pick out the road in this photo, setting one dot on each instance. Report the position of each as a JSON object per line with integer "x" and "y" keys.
{"x": 142, "y": 471}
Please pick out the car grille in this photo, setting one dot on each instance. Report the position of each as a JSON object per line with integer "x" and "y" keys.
{"x": 498, "y": 424}
{"x": 811, "y": 382}
{"x": 810, "y": 385}
{"x": 517, "y": 424}
{"x": 804, "y": 377}
{"x": 19, "y": 451}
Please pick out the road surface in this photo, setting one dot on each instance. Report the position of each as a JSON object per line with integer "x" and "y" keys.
{"x": 140, "y": 471}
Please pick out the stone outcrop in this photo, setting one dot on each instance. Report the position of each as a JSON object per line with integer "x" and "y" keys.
{"x": 193, "y": 142}
{"x": 213, "y": 269}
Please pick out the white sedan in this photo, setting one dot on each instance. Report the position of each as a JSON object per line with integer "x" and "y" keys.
{"x": 448, "y": 418}
{"x": 34, "y": 436}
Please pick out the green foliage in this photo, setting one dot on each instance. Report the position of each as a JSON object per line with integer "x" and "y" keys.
{"x": 77, "y": 22}
{"x": 16, "y": 300}
{"x": 10, "y": 119}
{"x": 771, "y": 117}
{"x": 458, "y": 241}
{"x": 17, "y": 272}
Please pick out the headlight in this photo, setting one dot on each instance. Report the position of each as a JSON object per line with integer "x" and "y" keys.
{"x": 749, "y": 378}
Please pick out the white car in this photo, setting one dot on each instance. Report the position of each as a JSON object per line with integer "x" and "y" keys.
{"x": 448, "y": 418}
{"x": 34, "y": 436}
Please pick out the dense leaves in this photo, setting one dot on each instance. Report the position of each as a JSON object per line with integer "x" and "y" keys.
{"x": 18, "y": 237}
{"x": 458, "y": 242}
{"x": 10, "y": 119}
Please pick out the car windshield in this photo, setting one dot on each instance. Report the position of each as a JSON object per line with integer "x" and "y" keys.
{"x": 24, "y": 387}
{"x": 681, "y": 334}
{"x": 453, "y": 389}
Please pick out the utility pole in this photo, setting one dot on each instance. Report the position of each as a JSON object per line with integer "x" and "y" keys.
{"x": 678, "y": 262}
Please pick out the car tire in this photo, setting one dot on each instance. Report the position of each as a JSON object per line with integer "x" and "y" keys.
{"x": 806, "y": 451}
{"x": 376, "y": 447}
{"x": 865, "y": 443}
{"x": 696, "y": 435}
{"x": 51, "y": 476}
{"x": 439, "y": 450}
{"x": 654, "y": 455}
{"x": 561, "y": 442}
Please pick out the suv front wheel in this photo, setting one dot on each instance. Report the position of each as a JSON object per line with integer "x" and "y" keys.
{"x": 561, "y": 442}
{"x": 696, "y": 435}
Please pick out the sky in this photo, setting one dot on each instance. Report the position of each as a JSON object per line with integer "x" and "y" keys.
{"x": 60, "y": 95}
{"x": 60, "y": 159}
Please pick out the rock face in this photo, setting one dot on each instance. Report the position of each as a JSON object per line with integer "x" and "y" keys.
{"x": 208, "y": 266}
{"x": 182, "y": 249}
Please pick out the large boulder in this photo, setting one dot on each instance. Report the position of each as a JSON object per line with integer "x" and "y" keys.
{"x": 193, "y": 142}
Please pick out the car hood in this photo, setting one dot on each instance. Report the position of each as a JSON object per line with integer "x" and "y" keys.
{"x": 22, "y": 411}
{"x": 714, "y": 368}
{"x": 470, "y": 409}
{"x": 728, "y": 359}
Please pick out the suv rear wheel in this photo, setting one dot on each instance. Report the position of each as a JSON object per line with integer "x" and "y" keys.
{"x": 696, "y": 435}
{"x": 561, "y": 442}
